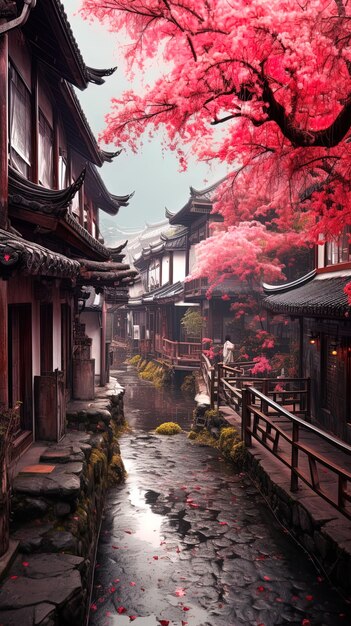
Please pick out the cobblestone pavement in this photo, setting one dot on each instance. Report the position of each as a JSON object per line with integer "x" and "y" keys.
{"x": 185, "y": 541}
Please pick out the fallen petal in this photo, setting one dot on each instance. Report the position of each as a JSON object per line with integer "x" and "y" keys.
{"x": 121, "y": 609}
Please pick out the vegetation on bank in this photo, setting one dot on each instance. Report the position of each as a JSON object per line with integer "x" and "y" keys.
{"x": 228, "y": 442}
{"x": 152, "y": 371}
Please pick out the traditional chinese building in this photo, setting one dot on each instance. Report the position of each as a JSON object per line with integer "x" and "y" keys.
{"x": 320, "y": 307}
{"x": 51, "y": 193}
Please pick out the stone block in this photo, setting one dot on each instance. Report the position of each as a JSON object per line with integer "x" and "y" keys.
{"x": 56, "y": 485}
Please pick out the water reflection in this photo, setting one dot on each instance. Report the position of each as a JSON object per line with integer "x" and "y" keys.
{"x": 148, "y": 524}
{"x": 147, "y": 407}
{"x": 185, "y": 541}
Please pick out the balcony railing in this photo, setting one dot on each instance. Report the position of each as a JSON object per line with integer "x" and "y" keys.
{"x": 196, "y": 286}
{"x": 178, "y": 352}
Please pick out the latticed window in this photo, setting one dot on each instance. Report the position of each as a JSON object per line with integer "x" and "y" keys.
{"x": 339, "y": 251}
{"x": 20, "y": 127}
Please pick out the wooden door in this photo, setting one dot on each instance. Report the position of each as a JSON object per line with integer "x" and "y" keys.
{"x": 20, "y": 362}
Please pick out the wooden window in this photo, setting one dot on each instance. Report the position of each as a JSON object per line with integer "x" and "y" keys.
{"x": 339, "y": 251}
{"x": 154, "y": 274}
{"x": 46, "y": 140}
{"x": 20, "y": 131}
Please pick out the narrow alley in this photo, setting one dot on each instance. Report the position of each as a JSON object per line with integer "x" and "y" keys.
{"x": 186, "y": 541}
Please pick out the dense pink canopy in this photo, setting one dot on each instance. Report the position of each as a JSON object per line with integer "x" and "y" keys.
{"x": 264, "y": 86}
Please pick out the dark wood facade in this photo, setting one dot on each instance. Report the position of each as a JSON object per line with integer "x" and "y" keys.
{"x": 50, "y": 193}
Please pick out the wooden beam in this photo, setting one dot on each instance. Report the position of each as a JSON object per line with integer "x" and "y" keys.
{"x": 103, "y": 266}
{"x": 35, "y": 124}
{"x": 3, "y": 212}
{"x": 3, "y": 130}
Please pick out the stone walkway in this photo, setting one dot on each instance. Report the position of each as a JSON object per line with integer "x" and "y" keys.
{"x": 58, "y": 494}
{"x": 186, "y": 541}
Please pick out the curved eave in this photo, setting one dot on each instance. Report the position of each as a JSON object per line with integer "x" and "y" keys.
{"x": 322, "y": 297}
{"x": 208, "y": 191}
{"x": 29, "y": 258}
{"x": 107, "y": 202}
{"x": 96, "y": 76}
{"x": 118, "y": 249}
{"x": 272, "y": 289}
{"x": 169, "y": 214}
{"x": 26, "y": 194}
{"x": 107, "y": 156}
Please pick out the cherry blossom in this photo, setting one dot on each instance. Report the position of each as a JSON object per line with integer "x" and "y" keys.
{"x": 262, "y": 86}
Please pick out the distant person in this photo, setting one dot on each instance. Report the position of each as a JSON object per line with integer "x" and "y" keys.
{"x": 228, "y": 351}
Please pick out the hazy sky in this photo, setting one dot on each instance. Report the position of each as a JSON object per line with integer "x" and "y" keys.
{"x": 152, "y": 174}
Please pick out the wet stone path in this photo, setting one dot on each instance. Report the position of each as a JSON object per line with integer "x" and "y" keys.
{"x": 185, "y": 541}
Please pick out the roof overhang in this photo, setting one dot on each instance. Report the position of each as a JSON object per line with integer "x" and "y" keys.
{"x": 314, "y": 295}
{"x": 30, "y": 259}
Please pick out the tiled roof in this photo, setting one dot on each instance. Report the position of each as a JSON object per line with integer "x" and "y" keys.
{"x": 164, "y": 293}
{"x": 322, "y": 296}
{"x": 30, "y": 258}
{"x": 26, "y": 194}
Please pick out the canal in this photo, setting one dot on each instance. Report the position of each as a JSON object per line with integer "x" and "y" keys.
{"x": 187, "y": 542}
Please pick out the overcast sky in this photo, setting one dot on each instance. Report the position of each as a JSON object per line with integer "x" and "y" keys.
{"x": 152, "y": 173}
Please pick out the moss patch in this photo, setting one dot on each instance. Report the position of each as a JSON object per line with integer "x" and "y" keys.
{"x": 203, "y": 438}
{"x": 168, "y": 428}
{"x": 134, "y": 360}
{"x": 188, "y": 385}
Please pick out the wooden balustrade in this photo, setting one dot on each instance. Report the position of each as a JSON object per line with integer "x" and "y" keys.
{"x": 179, "y": 352}
{"x": 286, "y": 436}
{"x": 209, "y": 376}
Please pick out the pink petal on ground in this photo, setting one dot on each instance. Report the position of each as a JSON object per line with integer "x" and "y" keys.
{"x": 180, "y": 593}
{"x": 121, "y": 609}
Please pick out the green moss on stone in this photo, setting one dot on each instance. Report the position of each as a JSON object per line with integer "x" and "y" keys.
{"x": 168, "y": 428}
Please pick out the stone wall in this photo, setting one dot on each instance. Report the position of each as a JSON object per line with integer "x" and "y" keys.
{"x": 317, "y": 526}
{"x": 57, "y": 517}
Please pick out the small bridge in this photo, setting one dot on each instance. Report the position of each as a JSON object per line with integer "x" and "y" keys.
{"x": 275, "y": 414}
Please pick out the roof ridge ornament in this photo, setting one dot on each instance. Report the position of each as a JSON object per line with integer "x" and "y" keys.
{"x": 108, "y": 156}
{"x": 97, "y": 76}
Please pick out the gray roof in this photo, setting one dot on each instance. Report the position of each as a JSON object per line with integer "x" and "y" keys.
{"x": 321, "y": 295}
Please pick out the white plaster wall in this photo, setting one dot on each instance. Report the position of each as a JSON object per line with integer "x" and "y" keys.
{"x": 165, "y": 269}
{"x": 92, "y": 329}
{"x": 178, "y": 265}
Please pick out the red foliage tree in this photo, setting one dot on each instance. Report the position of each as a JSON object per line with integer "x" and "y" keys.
{"x": 263, "y": 86}
{"x": 275, "y": 76}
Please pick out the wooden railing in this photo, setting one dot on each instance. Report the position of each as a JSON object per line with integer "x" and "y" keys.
{"x": 287, "y": 436}
{"x": 291, "y": 393}
{"x": 179, "y": 351}
{"x": 209, "y": 376}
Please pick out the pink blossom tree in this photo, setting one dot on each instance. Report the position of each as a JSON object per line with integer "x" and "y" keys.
{"x": 263, "y": 86}
{"x": 275, "y": 76}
